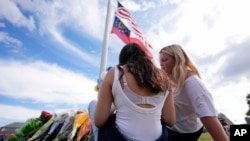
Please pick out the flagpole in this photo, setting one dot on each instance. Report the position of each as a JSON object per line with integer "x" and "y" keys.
{"x": 104, "y": 57}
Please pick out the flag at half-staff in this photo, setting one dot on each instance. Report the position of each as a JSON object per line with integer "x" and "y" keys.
{"x": 129, "y": 35}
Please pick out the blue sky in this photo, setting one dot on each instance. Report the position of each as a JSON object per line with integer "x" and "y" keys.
{"x": 50, "y": 50}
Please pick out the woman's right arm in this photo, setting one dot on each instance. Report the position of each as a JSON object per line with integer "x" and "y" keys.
{"x": 168, "y": 111}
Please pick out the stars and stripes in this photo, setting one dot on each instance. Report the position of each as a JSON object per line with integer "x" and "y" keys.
{"x": 125, "y": 34}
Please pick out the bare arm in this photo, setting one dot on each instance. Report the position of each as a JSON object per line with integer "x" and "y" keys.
{"x": 168, "y": 111}
{"x": 105, "y": 100}
{"x": 214, "y": 127}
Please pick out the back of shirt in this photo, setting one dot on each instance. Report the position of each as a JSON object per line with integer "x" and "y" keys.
{"x": 132, "y": 120}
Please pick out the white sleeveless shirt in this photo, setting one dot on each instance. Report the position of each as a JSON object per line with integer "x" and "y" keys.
{"x": 136, "y": 122}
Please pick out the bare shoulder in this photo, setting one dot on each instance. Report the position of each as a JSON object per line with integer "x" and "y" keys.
{"x": 109, "y": 78}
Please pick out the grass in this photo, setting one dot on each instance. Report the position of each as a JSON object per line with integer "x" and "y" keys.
{"x": 205, "y": 137}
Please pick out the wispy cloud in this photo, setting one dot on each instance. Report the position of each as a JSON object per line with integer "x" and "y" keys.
{"x": 10, "y": 11}
{"x": 8, "y": 40}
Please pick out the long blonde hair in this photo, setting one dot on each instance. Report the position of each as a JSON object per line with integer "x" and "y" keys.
{"x": 182, "y": 63}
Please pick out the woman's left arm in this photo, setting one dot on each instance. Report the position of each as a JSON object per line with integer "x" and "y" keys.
{"x": 214, "y": 127}
{"x": 105, "y": 100}
{"x": 168, "y": 110}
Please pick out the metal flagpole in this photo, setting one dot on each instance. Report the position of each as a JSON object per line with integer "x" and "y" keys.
{"x": 104, "y": 57}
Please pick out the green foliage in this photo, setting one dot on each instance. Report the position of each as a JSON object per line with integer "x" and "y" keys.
{"x": 248, "y": 102}
{"x": 27, "y": 130}
{"x": 248, "y": 113}
{"x": 205, "y": 137}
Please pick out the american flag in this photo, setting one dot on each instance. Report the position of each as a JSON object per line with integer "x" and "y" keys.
{"x": 123, "y": 13}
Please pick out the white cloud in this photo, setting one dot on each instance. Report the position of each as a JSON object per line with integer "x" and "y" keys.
{"x": 230, "y": 99}
{"x": 74, "y": 50}
{"x": 18, "y": 113}
{"x": 87, "y": 17}
{"x": 6, "y": 39}
{"x": 215, "y": 36}
{"x": 133, "y": 6}
{"x": 10, "y": 11}
{"x": 44, "y": 83}
{"x": 54, "y": 17}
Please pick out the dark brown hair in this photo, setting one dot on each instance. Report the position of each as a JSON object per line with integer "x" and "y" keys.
{"x": 142, "y": 68}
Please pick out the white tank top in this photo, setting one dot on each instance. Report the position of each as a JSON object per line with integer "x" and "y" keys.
{"x": 133, "y": 121}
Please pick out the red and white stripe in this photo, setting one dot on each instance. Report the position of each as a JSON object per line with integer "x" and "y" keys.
{"x": 123, "y": 13}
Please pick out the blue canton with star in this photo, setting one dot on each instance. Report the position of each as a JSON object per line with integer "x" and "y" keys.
{"x": 121, "y": 27}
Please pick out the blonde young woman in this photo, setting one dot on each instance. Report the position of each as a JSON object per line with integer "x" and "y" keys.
{"x": 193, "y": 102}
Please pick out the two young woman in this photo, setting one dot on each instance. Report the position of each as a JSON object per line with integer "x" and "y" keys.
{"x": 145, "y": 101}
